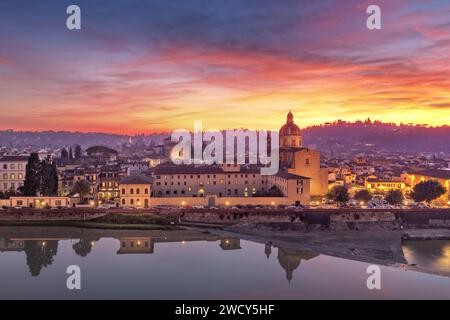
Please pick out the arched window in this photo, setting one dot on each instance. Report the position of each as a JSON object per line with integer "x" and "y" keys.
{"x": 131, "y": 201}
{"x": 131, "y": 191}
{"x": 146, "y": 191}
{"x": 123, "y": 191}
{"x": 123, "y": 201}
{"x": 138, "y": 191}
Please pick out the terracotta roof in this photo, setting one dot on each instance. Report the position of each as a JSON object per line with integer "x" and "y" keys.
{"x": 434, "y": 173}
{"x": 289, "y": 176}
{"x": 14, "y": 158}
{"x": 206, "y": 169}
{"x": 136, "y": 179}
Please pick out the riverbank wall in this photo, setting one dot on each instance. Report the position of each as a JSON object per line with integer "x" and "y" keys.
{"x": 336, "y": 220}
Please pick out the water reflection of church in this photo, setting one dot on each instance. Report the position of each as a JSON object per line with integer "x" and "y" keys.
{"x": 40, "y": 252}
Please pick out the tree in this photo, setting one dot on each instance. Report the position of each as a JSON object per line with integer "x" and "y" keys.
{"x": 427, "y": 191}
{"x": 78, "y": 152}
{"x": 64, "y": 154}
{"x": 363, "y": 195}
{"x": 70, "y": 155}
{"x": 53, "y": 180}
{"x": 40, "y": 176}
{"x": 32, "y": 176}
{"x": 339, "y": 194}
{"x": 394, "y": 197}
{"x": 48, "y": 176}
{"x": 81, "y": 187}
{"x": 275, "y": 192}
{"x": 44, "y": 177}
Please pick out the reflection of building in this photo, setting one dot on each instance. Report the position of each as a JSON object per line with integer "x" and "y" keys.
{"x": 230, "y": 244}
{"x": 135, "y": 191}
{"x": 12, "y": 172}
{"x": 299, "y": 160}
{"x": 268, "y": 250}
{"x": 290, "y": 260}
{"x": 11, "y": 245}
{"x": 136, "y": 245}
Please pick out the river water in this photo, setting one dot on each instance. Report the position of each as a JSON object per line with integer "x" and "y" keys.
{"x": 177, "y": 265}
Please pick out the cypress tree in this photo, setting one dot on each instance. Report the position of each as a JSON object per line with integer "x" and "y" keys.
{"x": 32, "y": 176}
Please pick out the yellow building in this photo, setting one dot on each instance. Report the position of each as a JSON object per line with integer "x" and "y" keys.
{"x": 228, "y": 185}
{"x": 376, "y": 185}
{"x": 442, "y": 176}
{"x": 135, "y": 191}
{"x": 39, "y": 202}
{"x": 12, "y": 172}
{"x": 299, "y": 160}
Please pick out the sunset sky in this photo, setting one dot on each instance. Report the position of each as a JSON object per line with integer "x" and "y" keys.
{"x": 142, "y": 66}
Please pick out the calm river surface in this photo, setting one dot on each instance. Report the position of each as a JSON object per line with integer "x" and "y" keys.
{"x": 176, "y": 265}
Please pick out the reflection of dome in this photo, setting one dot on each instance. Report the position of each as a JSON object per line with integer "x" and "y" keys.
{"x": 290, "y": 133}
{"x": 290, "y": 260}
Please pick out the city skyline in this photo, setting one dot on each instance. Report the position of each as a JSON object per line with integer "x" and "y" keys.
{"x": 152, "y": 67}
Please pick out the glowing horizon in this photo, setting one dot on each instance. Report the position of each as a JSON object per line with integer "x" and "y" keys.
{"x": 158, "y": 66}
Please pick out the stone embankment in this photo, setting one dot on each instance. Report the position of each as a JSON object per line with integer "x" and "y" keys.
{"x": 317, "y": 219}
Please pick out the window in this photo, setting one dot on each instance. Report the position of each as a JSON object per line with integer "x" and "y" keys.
{"x": 123, "y": 201}
{"x": 138, "y": 191}
{"x": 146, "y": 191}
{"x": 13, "y": 166}
{"x": 19, "y": 202}
{"x": 307, "y": 161}
{"x": 123, "y": 191}
{"x": 58, "y": 202}
{"x": 131, "y": 201}
{"x": 5, "y": 167}
{"x": 131, "y": 191}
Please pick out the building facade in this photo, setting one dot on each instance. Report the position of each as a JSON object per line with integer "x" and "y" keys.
{"x": 135, "y": 191}
{"x": 12, "y": 172}
{"x": 301, "y": 161}
{"x": 441, "y": 176}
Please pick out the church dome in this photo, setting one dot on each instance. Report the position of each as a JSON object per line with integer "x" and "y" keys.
{"x": 290, "y": 128}
{"x": 290, "y": 133}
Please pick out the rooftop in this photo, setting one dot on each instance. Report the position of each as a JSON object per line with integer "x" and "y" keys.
{"x": 434, "y": 173}
{"x": 136, "y": 179}
{"x": 14, "y": 159}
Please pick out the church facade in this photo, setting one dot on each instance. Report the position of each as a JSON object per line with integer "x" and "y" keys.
{"x": 299, "y": 177}
{"x": 296, "y": 159}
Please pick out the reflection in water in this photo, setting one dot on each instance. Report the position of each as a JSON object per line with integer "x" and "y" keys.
{"x": 268, "y": 250}
{"x": 41, "y": 252}
{"x": 136, "y": 245}
{"x": 433, "y": 255}
{"x": 290, "y": 260}
{"x": 84, "y": 246}
{"x": 184, "y": 264}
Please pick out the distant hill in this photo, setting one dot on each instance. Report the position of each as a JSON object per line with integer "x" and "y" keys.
{"x": 378, "y": 135}
{"x": 339, "y": 135}
{"x": 56, "y": 139}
